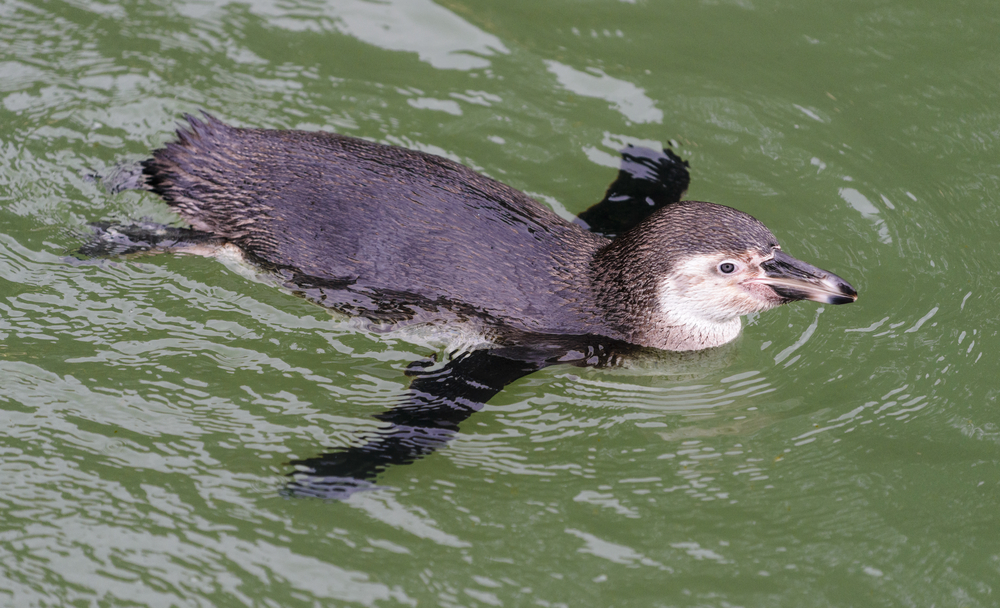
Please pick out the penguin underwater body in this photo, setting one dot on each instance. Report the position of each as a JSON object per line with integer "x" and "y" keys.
{"x": 399, "y": 236}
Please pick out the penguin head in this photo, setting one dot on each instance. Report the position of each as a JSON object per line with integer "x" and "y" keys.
{"x": 697, "y": 267}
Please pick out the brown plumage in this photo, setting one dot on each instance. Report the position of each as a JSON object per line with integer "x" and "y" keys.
{"x": 391, "y": 233}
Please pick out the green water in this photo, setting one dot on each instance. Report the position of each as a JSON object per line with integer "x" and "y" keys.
{"x": 838, "y": 456}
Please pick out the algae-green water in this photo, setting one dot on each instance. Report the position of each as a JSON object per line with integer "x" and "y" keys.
{"x": 836, "y": 456}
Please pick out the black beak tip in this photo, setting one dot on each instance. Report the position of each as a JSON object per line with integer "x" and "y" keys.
{"x": 847, "y": 293}
{"x": 844, "y": 299}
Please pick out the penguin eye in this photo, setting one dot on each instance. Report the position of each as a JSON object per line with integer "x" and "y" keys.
{"x": 727, "y": 268}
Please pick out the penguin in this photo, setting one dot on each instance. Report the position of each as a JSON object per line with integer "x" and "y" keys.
{"x": 400, "y": 237}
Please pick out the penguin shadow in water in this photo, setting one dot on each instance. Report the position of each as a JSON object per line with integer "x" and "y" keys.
{"x": 428, "y": 413}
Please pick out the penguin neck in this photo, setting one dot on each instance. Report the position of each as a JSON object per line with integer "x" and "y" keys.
{"x": 632, "y": 286}
{"x": 679, "y": 328}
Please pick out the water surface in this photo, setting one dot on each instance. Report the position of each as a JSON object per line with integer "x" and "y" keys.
{"x": 837, "y": 456}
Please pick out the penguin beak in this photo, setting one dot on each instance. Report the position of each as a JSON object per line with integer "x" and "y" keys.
{"x": 795, "y": 280}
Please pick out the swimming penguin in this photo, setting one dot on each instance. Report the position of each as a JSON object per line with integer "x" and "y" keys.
{"x": 399, "y": 236}
{"x": 380, "y": 230}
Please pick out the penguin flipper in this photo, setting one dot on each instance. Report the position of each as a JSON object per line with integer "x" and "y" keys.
{"x": 109, "y": 240}
{"x": 426, "y": 419}
{"x": 647, "y": 181}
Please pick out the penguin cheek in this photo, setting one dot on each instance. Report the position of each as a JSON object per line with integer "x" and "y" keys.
{"x": 689, "y": 284}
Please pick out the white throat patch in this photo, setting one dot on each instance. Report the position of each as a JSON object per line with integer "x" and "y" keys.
{"x": 699, "y": 307}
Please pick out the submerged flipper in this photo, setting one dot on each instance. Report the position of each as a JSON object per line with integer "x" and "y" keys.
{"x": 107, "y": 239}
{"x": 647, "y": 181}
{"x": 126, "y": 175}
{"x": 426, "y": 419}
{"x": 115, "y": 240}
{"x": 432, "y": 408}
